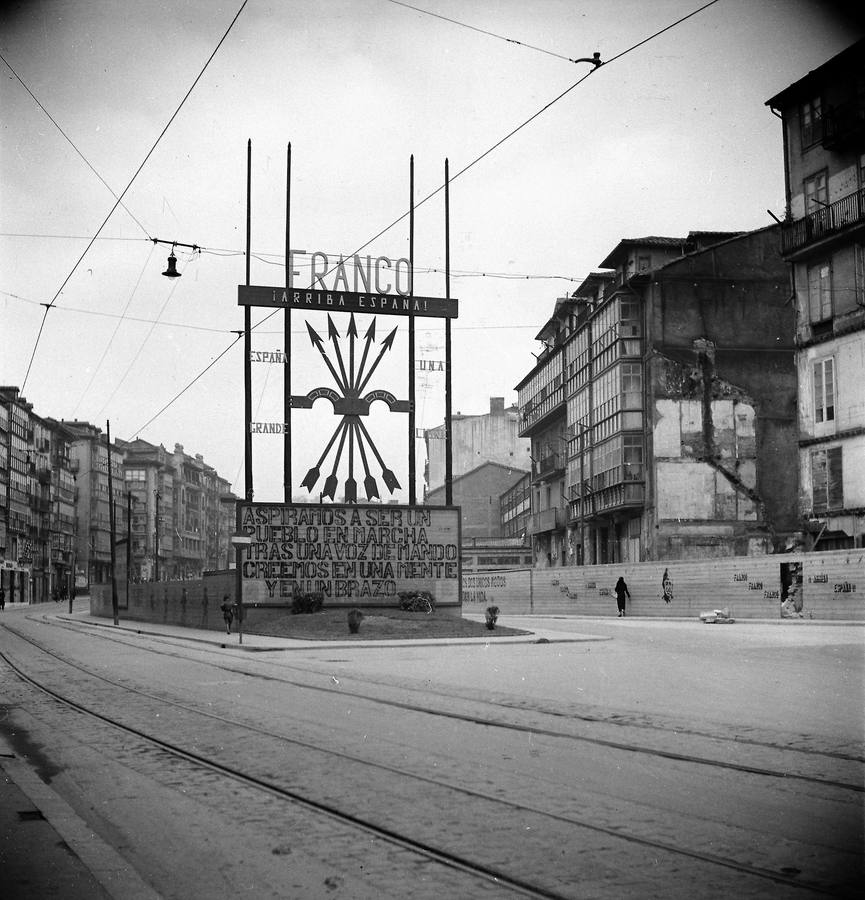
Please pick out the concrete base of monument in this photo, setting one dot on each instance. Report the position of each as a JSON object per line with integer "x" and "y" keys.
{"x": 377, "y": 623}
{"x": 197, "y": 604}
{"x": 263, "y": 611}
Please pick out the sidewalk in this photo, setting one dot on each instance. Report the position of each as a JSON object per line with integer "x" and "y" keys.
{"x": 258, "y": 643}
{"x": 46, "y": 850}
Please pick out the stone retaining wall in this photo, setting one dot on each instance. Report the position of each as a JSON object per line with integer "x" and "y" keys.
{"x": 825, "y": 586}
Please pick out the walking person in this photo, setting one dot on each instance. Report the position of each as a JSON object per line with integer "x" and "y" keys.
{"x": 2, "y": 597}
{"x": 622, "y": 593}
{"x": 227, "y": 613}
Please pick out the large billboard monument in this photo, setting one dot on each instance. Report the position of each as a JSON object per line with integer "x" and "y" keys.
{"x": 350, "y": 551}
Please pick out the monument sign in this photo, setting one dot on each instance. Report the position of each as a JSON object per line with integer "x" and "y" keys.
{"x": 351, "y": 553}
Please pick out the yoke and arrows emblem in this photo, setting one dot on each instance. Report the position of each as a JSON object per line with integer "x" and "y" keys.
{"x": 350, "y": 402}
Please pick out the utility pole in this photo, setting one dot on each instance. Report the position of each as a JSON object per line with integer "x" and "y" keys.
{"x": 129, "y": 501}
{"x": 156, "y": 537}
{"x": 114, "y": 604}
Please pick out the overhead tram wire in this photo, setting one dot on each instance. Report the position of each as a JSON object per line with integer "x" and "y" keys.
{"x": 140, "y": 350}
{"x": 190, "y": 327}
{"x": 177, "y": 396}
{"x": 120, "y": 321}
{"x": 71, "y": 143}
{"x": 483, "y": 155}
{"x": 500, "y": 37}
{"x": 278, "y": 259}
{"x": 90, "y": 243}
{"x": 522, "y": 125}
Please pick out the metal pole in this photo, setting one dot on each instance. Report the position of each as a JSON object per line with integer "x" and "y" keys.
{"x": 247, "y": 385}
{"x": 238, "y": 582}
{"x": 412, "y": 499}
{"x": 72, "y": 585}
{"x": 286, "y": 402}
{"x": 128, "y": 542}
{"x": 156, "y": 538}
{"x": 247, "y": 338}
{"x": 111, "y": 522}
{"x": 449, "y": 474}
{"x": 582, "y": 496}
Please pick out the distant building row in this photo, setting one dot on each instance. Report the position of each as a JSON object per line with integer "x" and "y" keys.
{"x": 55, "y": 519}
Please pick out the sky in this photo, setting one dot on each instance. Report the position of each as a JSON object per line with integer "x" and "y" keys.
{"x": 670, "y": 137}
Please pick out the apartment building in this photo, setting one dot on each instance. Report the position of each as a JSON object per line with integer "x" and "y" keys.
{"x": 492, "y": 436}
{"x": 823, "y": 240}
{"x": 18, "y": 536}
{"x": 203, "y": 515}
{"x": 89, "y": 456}
{"x": 661, "y": 409}
{"x": 182, "y": 513}
{"x": 61, "y": 475}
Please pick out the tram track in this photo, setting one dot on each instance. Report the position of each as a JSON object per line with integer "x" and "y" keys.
{"x": 620, "y": 723}
{"x": 442, "y": 855}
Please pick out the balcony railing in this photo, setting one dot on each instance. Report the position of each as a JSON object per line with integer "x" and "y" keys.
{"x": 547, "y": 465}
{"x": 620, "y": 495}
{"x": 829, "y": 220}
{"x": 546, "y": 520}
{"x": 532, "y": 413}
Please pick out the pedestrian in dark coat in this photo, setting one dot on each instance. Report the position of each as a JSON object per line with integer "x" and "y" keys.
{"x": 227, "y": 613}
{"x": 622, "y": 592}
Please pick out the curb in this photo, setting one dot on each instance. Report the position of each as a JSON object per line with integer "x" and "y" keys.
{"x": 102, "y": 862}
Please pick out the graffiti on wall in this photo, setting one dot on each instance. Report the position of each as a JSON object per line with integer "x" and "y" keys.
{"x": 667, "y": 587}
{"x": 792, "y": 596}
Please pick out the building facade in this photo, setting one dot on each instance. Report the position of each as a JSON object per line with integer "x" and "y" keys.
{"x": 662, "y": 407}
{"x": 823, "y": 240}
{"x": 173, "y": 511}
{"x": 182, "y": 513}
{"x": 516, "y": 505}
{"x": 479, "y": 494}
{"x": 18, "y": 535}
{"x": 203, "y": 516}
{"x": 487, "y": 437}
{"x": 89, "y": 454}
{"x": 544, "y": 422}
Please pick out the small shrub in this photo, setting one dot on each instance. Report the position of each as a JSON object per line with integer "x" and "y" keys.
{"x": 307, "y": 603}
{"x": 417, "y": 601}
{"x": 354, "y": 619}
{"x": 491, "y": 615}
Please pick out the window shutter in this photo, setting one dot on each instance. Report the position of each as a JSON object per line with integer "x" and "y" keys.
{"x": 818, "y": 392}
{"x": 835, "y": 488}
{"x": 819, "y": 497}
{"x": 829, "y": 379}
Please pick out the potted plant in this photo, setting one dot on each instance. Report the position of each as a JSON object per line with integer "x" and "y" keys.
{"x": 491, "y": 615}
{"x": 354, "y": 617}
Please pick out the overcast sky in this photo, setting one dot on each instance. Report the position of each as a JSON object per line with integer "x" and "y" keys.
{"x": 671, "y": 137}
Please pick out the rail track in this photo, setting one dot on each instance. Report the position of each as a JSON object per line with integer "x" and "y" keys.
{"x": 121, "y": 705}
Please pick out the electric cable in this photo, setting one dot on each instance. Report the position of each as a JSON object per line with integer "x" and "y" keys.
{"x": 129, "y": 185}
{"x": 255, "y": 414}
{"x": 177, "y": 396}
{"x": 501, "y": 37}
{"x": 519, "y": 128}
{"x": 141, "y": 348}
{"x": 70, "y": 142}
{"x": 278, "y": 259}
{"x": 474, "y": 162}
{"x": 120, "y": 321}
{"x": 190, "y": 327}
